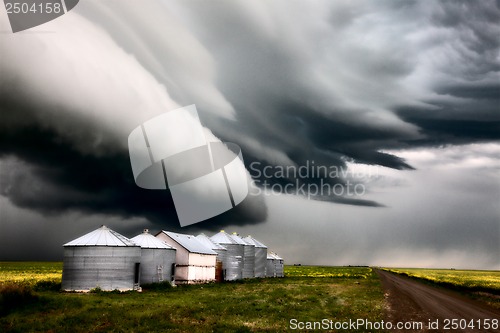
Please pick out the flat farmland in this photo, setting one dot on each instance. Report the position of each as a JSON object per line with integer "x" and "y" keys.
{"x": 469, "y": 279}
{"x": 30, "y": 300}
{"x": 481, "y": 285}
{"x": 30, "y": 272}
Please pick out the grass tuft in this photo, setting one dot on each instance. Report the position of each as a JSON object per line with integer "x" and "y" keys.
{"x": 162, "y": 286}
{"x": 13, "y": 296}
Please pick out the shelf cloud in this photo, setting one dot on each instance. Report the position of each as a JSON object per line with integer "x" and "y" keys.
{"x": 339, "y": 83}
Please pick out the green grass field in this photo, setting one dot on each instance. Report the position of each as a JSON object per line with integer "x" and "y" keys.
{"x": 329, "y": 272}
{"x": 257, "y": 305}
{"x": 467, "y": 279}
{"x": 30, "y": 272}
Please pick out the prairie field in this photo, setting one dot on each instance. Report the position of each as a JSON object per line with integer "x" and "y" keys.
{"x": 349, "y": 272}
{"x": 466, "y": 279}
{"x": 483, "y": 286}
{"x": 30, "y": 272}
{"x": 31, "y": 301}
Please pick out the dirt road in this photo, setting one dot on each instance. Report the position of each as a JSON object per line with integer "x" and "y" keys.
{"x": 410, "y": 300}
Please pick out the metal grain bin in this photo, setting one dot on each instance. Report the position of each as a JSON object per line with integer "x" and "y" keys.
{"x": 248, "y": 256}
{"x": 270, "y": 266}
{"x": 157, "y": 259}
{"x": 102, "y": 258}
{"x": 235, "y": 252}
{"x": 279, "y": 266}
{"x": 260, "y": 256}
{"x": 220, "y": 269}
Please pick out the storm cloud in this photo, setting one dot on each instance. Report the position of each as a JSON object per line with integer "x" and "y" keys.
{"x": 340, "y": 84}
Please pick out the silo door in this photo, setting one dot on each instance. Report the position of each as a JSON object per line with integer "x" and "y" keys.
{"x": 219, "y": 273}
{"x": 137, "y": 272}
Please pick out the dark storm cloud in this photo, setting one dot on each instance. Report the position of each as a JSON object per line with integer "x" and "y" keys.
{"x": 357, "y": 141}
{"x": 44, "y": 172}
{"x": 466, "y": 102}
{"x": 329, "y": 83}
{"x": 450, "y": 130}
{"x": 472, "y": 91}
{"x": 277, "y": 99}
{"x": 479, "y": 18}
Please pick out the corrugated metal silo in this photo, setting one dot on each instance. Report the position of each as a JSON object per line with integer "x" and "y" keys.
{"x": 234, "y": 255}
{"x": 270, "y": 266}
{"x": 102, "y": 258}
{"x": 248, "y": 257}
{"x": 157, "y": 259}
{"x": 260, "y": 256}
{"x": 221, "y": 255}
{"x": 279, "y": 266}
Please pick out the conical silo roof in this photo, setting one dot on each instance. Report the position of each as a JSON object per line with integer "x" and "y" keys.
{"x": 148, "y": 241}
{"x": 101, "y": 237}
{"x": 223, "y": 238}
{"x": 209, "y": 243}
{"x": 238, "y": 239}
{"x": 250, "y": 240}
{"x": 273, "y": 255}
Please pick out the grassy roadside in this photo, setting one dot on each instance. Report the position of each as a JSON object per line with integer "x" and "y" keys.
{"x": 480, "y": 285}
{"x": 256, "y": 305}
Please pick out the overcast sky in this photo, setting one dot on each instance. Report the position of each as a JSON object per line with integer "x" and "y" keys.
{"x": 401, "y": 98}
